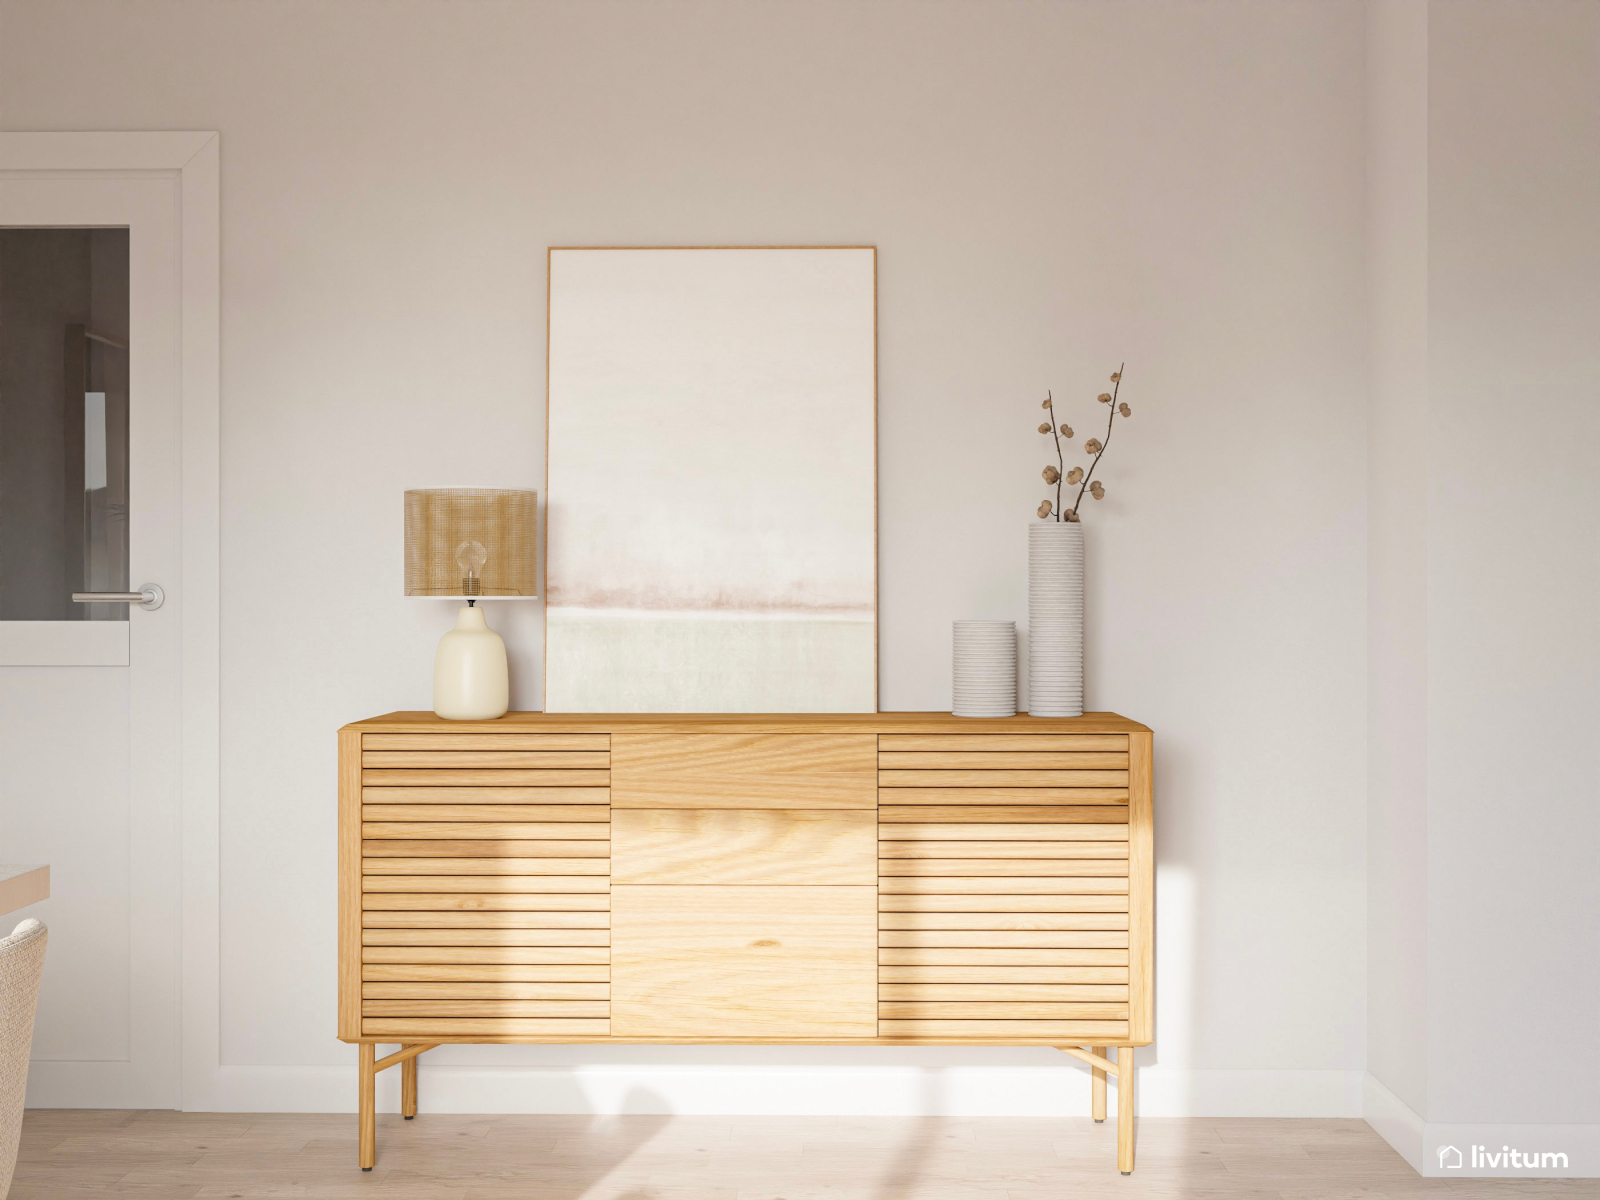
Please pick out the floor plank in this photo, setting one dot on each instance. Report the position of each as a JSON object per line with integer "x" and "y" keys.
{"x": 278, "y": 1156}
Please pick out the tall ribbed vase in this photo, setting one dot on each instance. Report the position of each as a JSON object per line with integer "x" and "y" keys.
{"x": 1055, "y": 618}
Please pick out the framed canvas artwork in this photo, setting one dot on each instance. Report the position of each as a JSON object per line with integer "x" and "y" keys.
{"x": 711, "y": 474}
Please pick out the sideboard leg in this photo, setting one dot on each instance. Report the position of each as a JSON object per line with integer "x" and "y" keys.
{"x": 1125, "y": 1109}
{"x": 367, "y": 1105}
{"x": 1097, "y": 1088}
{"x": 408, "y": 1088}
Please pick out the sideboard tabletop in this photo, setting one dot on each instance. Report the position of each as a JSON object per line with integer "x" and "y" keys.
{"x": 881, "y": 722}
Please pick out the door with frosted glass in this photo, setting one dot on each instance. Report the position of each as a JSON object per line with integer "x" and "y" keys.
{"x": 89, "y": 663}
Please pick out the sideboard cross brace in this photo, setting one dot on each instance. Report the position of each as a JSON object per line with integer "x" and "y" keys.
{"x": 371, "y": 1064}
{"x": 1094, "y": 1060}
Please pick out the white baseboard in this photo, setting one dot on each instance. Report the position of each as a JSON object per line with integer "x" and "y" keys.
{"x": 792, "y": 1089}
{"x": 1574, "y": 1149}
{"x": 1394, "y": 1120}
{"x": 56, "y": 1083}
{"x": 1178, "y": 1092}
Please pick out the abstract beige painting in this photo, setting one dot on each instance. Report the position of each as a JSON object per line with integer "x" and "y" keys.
{"x": 711, "y": 481}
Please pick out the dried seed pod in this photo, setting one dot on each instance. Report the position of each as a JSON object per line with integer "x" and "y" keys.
{"x": 1044, "y": 509}
{"x": 1071, "y": 514}
{"x": 1124, "y": 409}
{"x": 1104, "y": 397}
{"x": 1095, "y": 490}
{"x": 1116, "y": 377}
{"x": 1045, "y": 428}
{"x": 1046, "y": 403}
{"x": 1066, "y": 431}
{"x": 1051, "y": 475}
{"x": 1092, "y": 446}
{"x": 1075, "y": 474}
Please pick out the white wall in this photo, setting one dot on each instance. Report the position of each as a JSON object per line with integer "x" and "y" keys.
{"x": 1484, "y": 660}
{"x": 1514, "y": 560}
{"x": 1053, "y": 188}
{"x": 1397, "y": 548}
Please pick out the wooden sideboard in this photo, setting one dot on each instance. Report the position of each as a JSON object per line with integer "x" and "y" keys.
{"x": 886, "y": 878}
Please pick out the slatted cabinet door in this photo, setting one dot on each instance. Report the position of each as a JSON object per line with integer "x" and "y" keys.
{"x": 1013, "y": 887}
{"x": 484, "y": 886}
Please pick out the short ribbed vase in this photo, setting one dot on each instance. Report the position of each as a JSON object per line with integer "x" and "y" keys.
{"x": 984, "y": 669}
{"x": 1055, "y": 619}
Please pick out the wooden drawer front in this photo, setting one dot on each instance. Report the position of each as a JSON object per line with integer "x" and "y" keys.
{"x": 744, "y": 846}
{"x": 702, "y": 962}
{"x": 485, "y": 886}
{"x": 1003, "y": 886}
{"x": 744, "y": 771}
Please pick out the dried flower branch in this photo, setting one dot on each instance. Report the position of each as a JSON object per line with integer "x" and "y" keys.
{"x": 1053, "y": 474}
{"x": 1095, "y": 447}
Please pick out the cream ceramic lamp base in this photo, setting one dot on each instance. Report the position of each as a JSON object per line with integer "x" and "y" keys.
{"x": 470, "y": 678}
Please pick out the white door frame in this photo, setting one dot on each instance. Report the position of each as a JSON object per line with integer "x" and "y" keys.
{"x": 193, "y": 159}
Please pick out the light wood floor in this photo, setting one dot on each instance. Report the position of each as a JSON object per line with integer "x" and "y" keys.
{"x": 175, "y": 1156}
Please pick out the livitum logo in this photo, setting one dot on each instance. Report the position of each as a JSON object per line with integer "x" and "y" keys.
{"x": 1484, "y": 1158}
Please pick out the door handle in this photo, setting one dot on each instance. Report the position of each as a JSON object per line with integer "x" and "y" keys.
{"x": 150, "y": 596}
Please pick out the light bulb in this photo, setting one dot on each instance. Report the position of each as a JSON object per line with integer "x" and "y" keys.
{"x": 471, "y": 556}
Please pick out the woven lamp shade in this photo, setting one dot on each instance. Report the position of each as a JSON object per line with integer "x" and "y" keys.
{"x": 471, "y": 542}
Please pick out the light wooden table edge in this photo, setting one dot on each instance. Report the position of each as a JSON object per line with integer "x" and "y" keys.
{"x": 21, "y": 886}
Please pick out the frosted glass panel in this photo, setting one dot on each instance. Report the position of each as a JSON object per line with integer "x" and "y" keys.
{"x": 63, "y": 422}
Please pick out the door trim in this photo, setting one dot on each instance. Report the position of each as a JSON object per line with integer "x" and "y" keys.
{"x": 63, "y": 643}
{"x": 194, "y": 158}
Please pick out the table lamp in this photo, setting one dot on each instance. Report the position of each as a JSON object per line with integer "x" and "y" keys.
{"x": 471, "y": 544}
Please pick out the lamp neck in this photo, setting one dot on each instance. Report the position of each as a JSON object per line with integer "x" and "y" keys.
{"x": 471, "y": 619}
